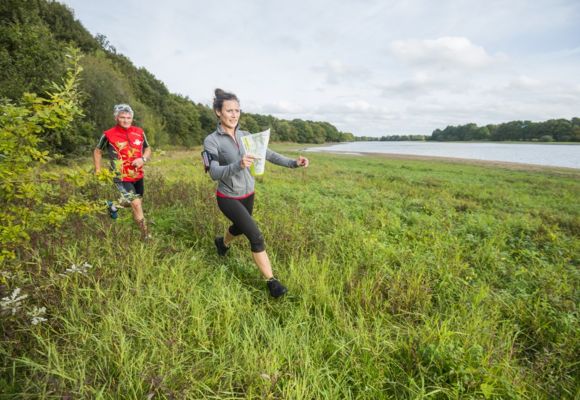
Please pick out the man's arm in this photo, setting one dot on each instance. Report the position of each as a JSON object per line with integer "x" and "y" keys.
{"x": 97, "y": 157}
{"x": 146, "y": 149}
{"x": 147, "y": 153}
{"x": 145, "y": 156}
{"x": 98, "y": 153}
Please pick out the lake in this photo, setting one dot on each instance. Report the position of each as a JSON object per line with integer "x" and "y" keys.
{"x": 555, "y": 155}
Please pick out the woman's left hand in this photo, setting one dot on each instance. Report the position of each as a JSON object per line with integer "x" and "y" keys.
{"x": 302, "y": 161}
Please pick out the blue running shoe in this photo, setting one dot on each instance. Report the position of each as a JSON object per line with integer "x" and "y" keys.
{"x": 113, "y": 212}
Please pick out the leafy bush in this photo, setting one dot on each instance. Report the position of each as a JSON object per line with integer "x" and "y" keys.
{"x": 29, "y": 192}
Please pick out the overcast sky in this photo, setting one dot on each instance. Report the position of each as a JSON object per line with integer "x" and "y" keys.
{"x": 368, "y": 67}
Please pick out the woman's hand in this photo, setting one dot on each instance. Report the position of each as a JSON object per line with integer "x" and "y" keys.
{"x": 302, "y": 161}
{"x": 247, "y": 160}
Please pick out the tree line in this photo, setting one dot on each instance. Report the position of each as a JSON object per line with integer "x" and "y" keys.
{"x": 559, "y": 130}
{"x": 34, "y": 36}
{"x": 392, "y": 138}
{"x": 553, "y": 130}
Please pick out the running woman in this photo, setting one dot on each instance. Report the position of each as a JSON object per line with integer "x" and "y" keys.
{"x": 229, "y": 165}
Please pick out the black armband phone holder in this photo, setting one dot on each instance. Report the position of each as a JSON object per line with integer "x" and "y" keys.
{"x": 206, "y": 158}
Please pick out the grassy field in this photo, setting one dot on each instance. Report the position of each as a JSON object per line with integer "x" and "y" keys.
{"x": 407, "y": 279}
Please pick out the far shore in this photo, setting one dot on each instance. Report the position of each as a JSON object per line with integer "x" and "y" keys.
{"x": 489, "y": 163}
{"x": 311, "y": 147}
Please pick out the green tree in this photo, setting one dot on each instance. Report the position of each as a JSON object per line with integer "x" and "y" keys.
{"x": 182, "y": 121}
{"x": 318, "y": 133}
{"x": 148, "y": 88}
{"x": 304, "y": 132}
{"x": 153, "y": 125}
{"x": 104, "y": 86}
{"x": 26, "y": 191}
{"x": 285, "y": 131}
{"x": 248, "y": 123}
{"x": 347, "y": 137}
{"x": 331, "y": 134}
{"x": 469, "y": 132}
{"x": 483, "y": 133}
{"x": 264, "y": 121}
{"x": 207, "y": 119}
{"x": 29, "y": 57}
{"x": 559, "y": 129}
{"x": 64, "y": 27}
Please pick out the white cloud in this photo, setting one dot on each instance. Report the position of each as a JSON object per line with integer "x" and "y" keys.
{"x": 550, "y": 94}
{"x": 448, "y": 62}
{"x": 281, "y": 108}
{"x": 445, "y": 51}
{"x": 358, "y": 105}
{"x": 349, "y": 114}
{"x": 337, "y": 72}
{"x": 524, "y": 82}
{"x": 420, "y": 85}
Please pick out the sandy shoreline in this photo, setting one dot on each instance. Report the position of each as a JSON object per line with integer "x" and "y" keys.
{"x": 500, "y": 164}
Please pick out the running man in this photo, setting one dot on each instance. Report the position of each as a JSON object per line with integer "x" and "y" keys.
{"x": 128, "y": 151}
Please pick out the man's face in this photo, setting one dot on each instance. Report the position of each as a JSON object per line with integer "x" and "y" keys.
{"x": 124, "y": 119}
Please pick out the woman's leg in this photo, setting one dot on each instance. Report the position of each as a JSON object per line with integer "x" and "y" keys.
{"x": 228, "y": 238}
{"x": 263, "y": 262}
{"x": 240, "y": 213}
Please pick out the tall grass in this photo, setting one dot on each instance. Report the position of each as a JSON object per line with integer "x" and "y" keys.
{"x": 407, "y": 279}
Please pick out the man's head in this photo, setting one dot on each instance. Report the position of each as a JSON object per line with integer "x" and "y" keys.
{"x": 123, "y": 115}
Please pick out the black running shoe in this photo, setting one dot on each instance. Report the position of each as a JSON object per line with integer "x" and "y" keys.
{"x": 222, "y": 249}
{"x": 276, "y": 288}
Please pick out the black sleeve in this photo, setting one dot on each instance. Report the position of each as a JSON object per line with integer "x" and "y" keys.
{"x": 103, "y": 142}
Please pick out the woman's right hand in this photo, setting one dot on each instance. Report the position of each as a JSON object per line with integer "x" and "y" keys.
{"x": 246, "y": 161}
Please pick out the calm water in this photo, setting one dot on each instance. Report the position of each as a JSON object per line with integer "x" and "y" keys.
{"x": 556, "y": 155}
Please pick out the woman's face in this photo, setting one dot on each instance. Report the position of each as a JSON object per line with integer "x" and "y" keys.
{"x": 229, "y": 115}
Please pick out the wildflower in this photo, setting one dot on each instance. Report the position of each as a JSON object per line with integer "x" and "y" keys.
{"x": 37, "y": 315}
{"x": 12, "y": 303}
{"x": 5, "y": 274}
{"x": 77, "y": 269}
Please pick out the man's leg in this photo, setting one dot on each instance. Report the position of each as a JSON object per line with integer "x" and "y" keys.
{"x": 137, "y": 208}
{"x": 132, "y": 192}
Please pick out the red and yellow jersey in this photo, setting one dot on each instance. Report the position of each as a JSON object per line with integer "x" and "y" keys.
{"x": 124, "y": 146}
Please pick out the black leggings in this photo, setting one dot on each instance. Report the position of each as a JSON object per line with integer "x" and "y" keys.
{"x": 239, "y": 211}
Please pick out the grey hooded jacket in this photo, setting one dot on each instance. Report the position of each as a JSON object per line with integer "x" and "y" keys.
{"x": 226, "y": 154}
